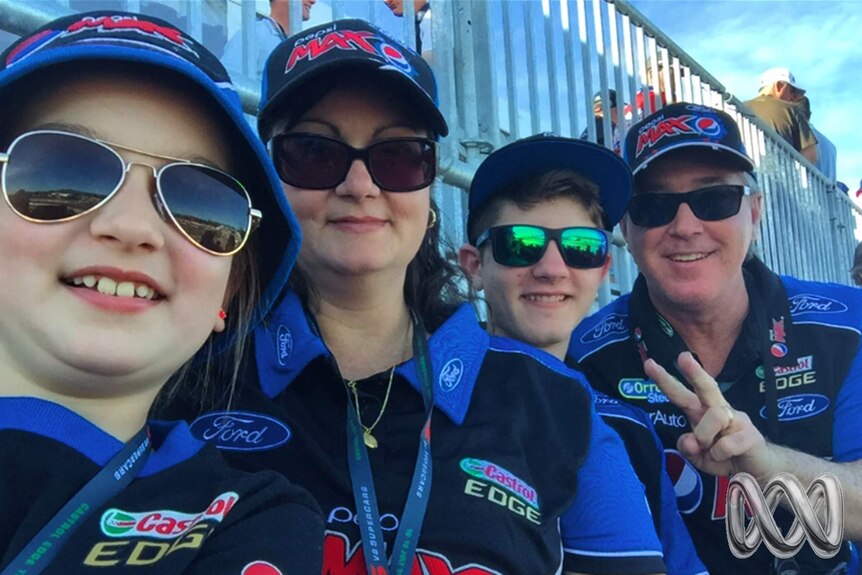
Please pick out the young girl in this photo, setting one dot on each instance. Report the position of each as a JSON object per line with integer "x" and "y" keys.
{"x": 441, "y": 453}
{"x": 132, "y": 189}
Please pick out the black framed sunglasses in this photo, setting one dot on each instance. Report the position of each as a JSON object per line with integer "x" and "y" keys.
{"x": 710, "y": 204}
{"x": 316, "y": 162}
{"x": 53, "y": 176}
{"x": 521, "y": 245}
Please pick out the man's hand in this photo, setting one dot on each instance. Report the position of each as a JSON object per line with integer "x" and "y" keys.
{"x": 723, "y": 440}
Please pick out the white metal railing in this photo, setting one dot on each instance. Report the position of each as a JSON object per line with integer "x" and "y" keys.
{"x": 510, "y": 68}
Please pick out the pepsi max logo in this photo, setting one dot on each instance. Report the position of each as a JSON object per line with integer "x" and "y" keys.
{"x": 778, "y": 350}
{"x": 395, "y": 57}
{"x": 687, "y": 483}
{"x": 612, "y": 324}
{"x": 810, "y": 303}
{"x": 283, "y": 344}
{"x": 240, "y": 430}
{"x": 800, "y": 406}
{"x": 450, "y": 375}
{"x": 706, "y": 126}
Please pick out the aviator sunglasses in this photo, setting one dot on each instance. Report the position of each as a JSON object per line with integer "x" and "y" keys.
{"x": 710, "y": 204}
{"x": 51, "y": 176}
{"x": 523, "y": 245}
{"x": 315, "y": 162}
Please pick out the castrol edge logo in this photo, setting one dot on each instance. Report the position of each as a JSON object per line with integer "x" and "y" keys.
{"x": 164, "y": 524}
{"x": 495, "y": 474}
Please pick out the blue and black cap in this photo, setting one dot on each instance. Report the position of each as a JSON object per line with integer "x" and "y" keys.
{"x": 684, "y": 125}
{"x": 302, "y": 61}
{"x": 542, "y": 153}
{"x": 128, "y": 39}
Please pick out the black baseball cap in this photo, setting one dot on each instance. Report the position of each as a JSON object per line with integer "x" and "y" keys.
{"x": 303, "y": 59}
{"x": 542, "y": 153}
{"x": 684, "y": 125}
{"x": 113, "y": 39}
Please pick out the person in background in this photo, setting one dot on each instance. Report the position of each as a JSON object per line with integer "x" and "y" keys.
{"x": 599, "y": 116}
{"x": 541, "y": 213}
{"x": 779, "y": 91}
{"x": 422, "y": 14}
{"x": 773, "y": 363}
{"x": 372, "y": 357}
{"x": 269, "y": 31}
{"x": 134, "y": 198}
{"x": 827, "y": 154}
{"x": 856, "y": 270}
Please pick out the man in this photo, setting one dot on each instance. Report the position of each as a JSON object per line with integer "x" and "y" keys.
{"x": 422, "y": 15}
{"x": 827, "y": 153}
{"x": 269, "y": 31}
{"x": 538, "y": 289}
{"x": 599, "y": 115}
{"x": 775, "y": 106}
{"x": 785, "y": 352}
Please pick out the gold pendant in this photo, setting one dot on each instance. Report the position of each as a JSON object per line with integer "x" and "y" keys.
{"x": 369, "y": 439}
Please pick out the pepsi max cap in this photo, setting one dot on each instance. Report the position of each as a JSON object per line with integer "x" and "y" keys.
{"x": 533, "y": 156}
{"x": 130, "y": 40}
{"x": 684, "y": 125}
{"x": 302, "y": 59}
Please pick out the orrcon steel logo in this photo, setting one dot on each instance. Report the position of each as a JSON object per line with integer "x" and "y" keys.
{"x": 825, "y": 492}
{"x": 164, "y": 524}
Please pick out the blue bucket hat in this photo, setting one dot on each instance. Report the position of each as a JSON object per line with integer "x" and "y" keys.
{"x": 129, "y": 39}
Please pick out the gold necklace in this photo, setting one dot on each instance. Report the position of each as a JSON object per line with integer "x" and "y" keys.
{"x": 367, "y": 436}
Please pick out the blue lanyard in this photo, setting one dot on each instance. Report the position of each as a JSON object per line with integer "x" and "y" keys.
{"x": 364, "y": 495}
{"x": 111, "y": 479}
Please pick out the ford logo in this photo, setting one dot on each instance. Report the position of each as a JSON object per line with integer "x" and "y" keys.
{"x": 612, "y": 324}
{"x": 799, "y": 406}
{"x": 810, "y": 303}
{"x": 450, "y": 375}
{"x": 283, "y": 344}
{"x": 240, "y": 430}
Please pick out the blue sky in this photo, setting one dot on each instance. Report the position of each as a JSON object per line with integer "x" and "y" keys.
{"x": 819, "y": 40}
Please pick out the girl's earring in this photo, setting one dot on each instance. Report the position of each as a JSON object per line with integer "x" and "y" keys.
{"x": 222, "y": 314}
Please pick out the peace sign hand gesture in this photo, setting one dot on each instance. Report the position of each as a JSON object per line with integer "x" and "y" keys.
{"x": 723, "y": 440}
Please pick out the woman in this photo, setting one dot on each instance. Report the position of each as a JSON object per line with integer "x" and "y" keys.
{"x": 125, "y": 237}
{"x": 346, "y": 363}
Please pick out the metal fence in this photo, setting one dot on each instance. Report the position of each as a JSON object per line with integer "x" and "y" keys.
{"x": 510, "y": 68}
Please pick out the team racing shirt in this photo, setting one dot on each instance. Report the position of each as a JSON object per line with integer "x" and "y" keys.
{"x": 811, "y": 333}
{"x": 526, "y": 478}
{"x": 185, "y": 512}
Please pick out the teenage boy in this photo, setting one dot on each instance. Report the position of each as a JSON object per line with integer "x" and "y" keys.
{"x": 540, "y": 215}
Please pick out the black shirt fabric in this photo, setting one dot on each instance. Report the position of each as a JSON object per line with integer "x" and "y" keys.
{"x": 185, "y": 512}
{"x": 518, "y": 450}
{"x": 808, "y": 332}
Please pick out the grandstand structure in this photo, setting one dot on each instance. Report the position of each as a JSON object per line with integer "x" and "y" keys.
{"x": 507, "y": 69}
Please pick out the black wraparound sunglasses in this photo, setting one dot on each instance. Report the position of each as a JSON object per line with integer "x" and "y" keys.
{"x": 710, "y": 204}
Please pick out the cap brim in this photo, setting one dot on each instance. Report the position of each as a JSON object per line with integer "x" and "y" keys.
{"x": 281, "y": 98}
{"x": 744, "y": 162}
{"x": 277, "y": 215}
{"x": 532, "y": 157}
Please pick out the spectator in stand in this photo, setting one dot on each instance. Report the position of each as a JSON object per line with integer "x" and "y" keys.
{"x": 269, "y": 31}
{"x": 827, "y": 154}
{"x": 422, "y": 14}
{"x": 859, "y": 191}
{"x": 598, "y": 114}
{"x": 856, "y": 271}
{"x": 775, "y": 106}
{"x": 539, "y": 282}
{"x": 774, "y": 363}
